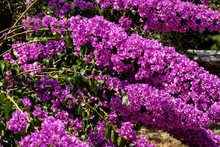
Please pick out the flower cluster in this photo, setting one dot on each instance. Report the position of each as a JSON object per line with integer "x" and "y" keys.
{"x": 25, "y": 53}
{"x": 142, "y": 142}
{"x": 26, "y": 102}
{"x": 125, "y": 22}
{"x": 169, "y": 15}
{"x": 126, "y": 131}
{"x": 39, "y": 112}
{"x": 83, "y": 5}
{"x": 18, "y": 122}
{"x": 50, "y": 89}
{"x": 52, "y": 133}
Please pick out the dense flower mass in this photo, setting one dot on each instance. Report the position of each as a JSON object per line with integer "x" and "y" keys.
{"x": 119, "y": 80}
{"x": 148, "y": 61}
{"x": 52, "y": 133}
{"x": 169, "y": 15}
{"x": 18, "y": 122}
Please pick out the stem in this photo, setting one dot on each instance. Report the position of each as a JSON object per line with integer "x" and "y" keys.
{"x": 27, "y": 71}
{"x": 93, "y": 109}
{"x": 23, "y": 33}
{"x": 11, "y": 32}
{"x": 18, "y": 20}
{"x": 9, "y": 28}
{"x": 12, "y": 100}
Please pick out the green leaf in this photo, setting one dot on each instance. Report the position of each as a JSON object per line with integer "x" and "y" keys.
{"x": 83, "y": 114}
{"x": 101, "y": 12}
{"x": 7, "y": 109}
{"x": 46, "y": 62}
{"x": 43, "y": 40}
{"x": 69, "y": 41}
{"x": 2, "y": 68}
{"x": 84, "y": 126}
{"x": 120, "y": 142}
{"x": 80, "y": 109}
{"x": 69, "y": 80}
{"x": 82, "y": 71}
{"x": 114, "y": 137}
{"x": 125, "y": 100}
{"x": 99, "y": 83}
{"x": 108, "y": 131}
{"x": 2, "y": 98}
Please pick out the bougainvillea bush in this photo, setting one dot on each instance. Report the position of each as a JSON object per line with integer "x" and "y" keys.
{"x": 91, "y": 79}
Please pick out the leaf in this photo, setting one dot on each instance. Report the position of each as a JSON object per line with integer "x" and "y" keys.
{"x": 80, "y": 109}
{"x": 83, "y": 114}
{"x": 125, "y": 100}
{"x": 84, "y": 126}
{"x": 2, "y": 99}
{"x": 69, "y": 80}
{"x": 108, "y": 131}
{"x": 2, "y": 68}
{"x": 82, "y": 71}
{"x": 43, "y": 40}
{"x": 114, "y": 137}
{"x": 7, "y": 109}
{"x": 101, "y": 12}
{"x": 46, "y": 62}
{"x": 120, "y": 142}
{"x": 69, "y": 41}
{"x": 99, "y": 83}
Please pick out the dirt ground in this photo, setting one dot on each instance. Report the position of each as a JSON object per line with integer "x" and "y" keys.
{"x": 163, "y": 139}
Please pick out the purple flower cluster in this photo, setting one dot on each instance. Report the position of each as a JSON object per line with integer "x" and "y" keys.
{"x": 98, "y": 138}
{"x": 126, "y": 131}
{"x": 142, "y": 142}
{"x": 54, "y": 3}
{"x": 18, "y": 122}
{"x": 148, "y": 105}
{"x": 125, "y": 22}
{"x": 26, "y": 102}
{"x": 32, "y": 23}
{"x": 48, "y": 21}
{"x": 65, "y": 8}
{"x": 52, "y": 133}
{"x": 196, "y": 137}
{"x": 83, "y": 4}
{"x": 39, "y": 112}
{"x": 50, "y": 89}
{"x": 169, "y": 15}
{"x": 35, "y": 52}
{"x": 60, "y": 4}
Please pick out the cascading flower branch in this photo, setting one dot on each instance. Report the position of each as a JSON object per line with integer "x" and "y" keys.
{"x": 149, "y": 62}
{"x": 169, "y": 15}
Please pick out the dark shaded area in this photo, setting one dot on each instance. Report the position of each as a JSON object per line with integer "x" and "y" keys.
{"x": 212, "y": 66}
{"x": 5, "y": 20}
